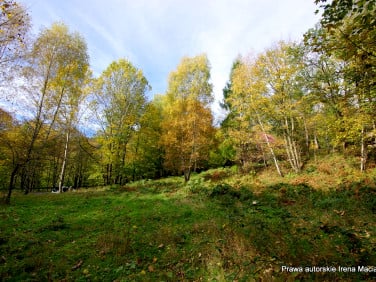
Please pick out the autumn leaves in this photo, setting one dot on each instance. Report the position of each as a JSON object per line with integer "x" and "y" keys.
{"x": 174, "y": 131}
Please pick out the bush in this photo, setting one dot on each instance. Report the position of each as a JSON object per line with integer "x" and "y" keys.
{"x": 195, "y": 186}
{"x": 368, "y": 198}
{"x": 217, "y": 175}
{"x": 224, "y": 189}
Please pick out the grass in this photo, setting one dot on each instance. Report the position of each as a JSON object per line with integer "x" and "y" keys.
{"x": 216, "y": 228}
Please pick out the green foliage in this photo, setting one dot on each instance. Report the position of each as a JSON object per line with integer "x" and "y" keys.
{"x": 120, "y": 100}
{"x": 196, "y": 186}
{"x": 368, "y": 197}
{"x": 224, "y": 152}
{"x": 224, "y": 189}
{"x": 286, "y": 106}
{"x": 346, "y": 35}
{"x": 54, "y": 75}
{"x": 145, "y": 157}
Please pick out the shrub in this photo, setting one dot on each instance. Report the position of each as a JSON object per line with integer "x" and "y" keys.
{"x": 217, "y": 175}
{"x": 224, "y": 189}
{"x": 195, "y": 186}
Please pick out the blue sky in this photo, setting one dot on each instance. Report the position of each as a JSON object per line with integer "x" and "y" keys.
{"x": 155, "y": 34}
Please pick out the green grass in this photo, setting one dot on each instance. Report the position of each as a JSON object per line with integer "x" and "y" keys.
{"x": 207, "y": 230}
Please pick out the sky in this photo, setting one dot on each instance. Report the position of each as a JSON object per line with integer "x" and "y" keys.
{"x": 156, "y": 34}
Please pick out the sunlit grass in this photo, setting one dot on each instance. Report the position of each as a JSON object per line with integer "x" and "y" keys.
{"x": 217, "y": 227}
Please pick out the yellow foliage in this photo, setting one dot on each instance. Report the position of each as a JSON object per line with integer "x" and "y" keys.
{"x": 187, "y": 120}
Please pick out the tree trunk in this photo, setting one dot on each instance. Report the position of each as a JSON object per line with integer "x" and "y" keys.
{"x": 363, "y": 152}
{"x": 11, "y": 183}
{"x": 297, "y": 154}
{"x": 55, "y": 175}
{"x": 307, "y": 139}
{"x": 270, "y": 147}
{"x": 187, "y": 174}
{"x": 316, "y": 146}
{"x": 56, "y": 112}
{"x": 37, "y": 129}
{"x": 291, "y": 147}
{"x": 288, "y": 151}
{"x": 64, "y": 165}
{"x": 263, "y": 156}
{"x": 293, "y": 154}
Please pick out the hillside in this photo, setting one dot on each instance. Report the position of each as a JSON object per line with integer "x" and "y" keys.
{"x": 221, "y": 226}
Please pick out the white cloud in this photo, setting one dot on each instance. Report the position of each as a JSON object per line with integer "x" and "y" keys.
{"x": 156, "y": 34}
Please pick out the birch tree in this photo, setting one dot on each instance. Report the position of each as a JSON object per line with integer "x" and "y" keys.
{"x": 120, "y": 97}
{"x": 347, "y": 33}
{"x": 249, "y": 102}
{"x": 280, "y": 67}
{"x": 187, "y": 120}
{"x": 72, "y": 79}
{"x": 56, "y": 66}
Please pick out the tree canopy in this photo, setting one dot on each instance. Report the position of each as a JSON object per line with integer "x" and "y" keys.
{"x": 285, "y": 106}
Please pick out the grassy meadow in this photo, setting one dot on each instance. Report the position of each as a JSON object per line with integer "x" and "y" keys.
{"x": 221, "y": 226}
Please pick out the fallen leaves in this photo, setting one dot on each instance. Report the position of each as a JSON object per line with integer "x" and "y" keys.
{"x": 77, "y": 265}
{"x": 340, "y": 212}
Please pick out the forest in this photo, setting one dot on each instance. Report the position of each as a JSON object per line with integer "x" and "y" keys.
{"x": 286, "y": 182}
{"x": 292, "y": 103}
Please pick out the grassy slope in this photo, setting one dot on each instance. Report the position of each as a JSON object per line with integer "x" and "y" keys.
{"x": 217, "y": 228}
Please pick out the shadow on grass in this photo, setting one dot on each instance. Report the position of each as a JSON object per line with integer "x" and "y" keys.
{"x": 222, "y": 233}
{"x": 294, "y": 225}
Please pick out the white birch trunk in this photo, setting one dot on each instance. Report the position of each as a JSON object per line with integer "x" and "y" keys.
{"x": 363, "y": 152}
{"x": 64, "y": 165}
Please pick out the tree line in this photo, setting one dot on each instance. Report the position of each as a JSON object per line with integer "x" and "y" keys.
{"x": 291, "y": 103}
